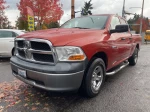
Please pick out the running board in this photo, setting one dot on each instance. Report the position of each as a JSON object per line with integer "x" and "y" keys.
{"x": 118, "y": 69}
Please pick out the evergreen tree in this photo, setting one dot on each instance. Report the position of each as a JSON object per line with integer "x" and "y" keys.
{"x": 86, "y": 10}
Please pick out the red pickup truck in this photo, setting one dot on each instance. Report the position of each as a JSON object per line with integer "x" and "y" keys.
{"x": 76, "y": 56}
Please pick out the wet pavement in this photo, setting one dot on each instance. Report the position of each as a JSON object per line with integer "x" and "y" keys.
{"x": 127, "y": 91}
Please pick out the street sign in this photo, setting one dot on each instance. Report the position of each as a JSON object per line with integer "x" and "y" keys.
{"x": 30, "y": 15}
{"x": 31, "y": 23}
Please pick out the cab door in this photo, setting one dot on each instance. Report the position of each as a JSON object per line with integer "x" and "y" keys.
{"x": 126, "y": 40}
{"x": 2, "y": 49}
{"x": 6, "y": 42}
{"x": 120, "y": 43}
{"x": 115, "y": 42}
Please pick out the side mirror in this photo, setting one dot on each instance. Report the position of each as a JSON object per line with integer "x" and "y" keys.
{"x": 120, "y": 28}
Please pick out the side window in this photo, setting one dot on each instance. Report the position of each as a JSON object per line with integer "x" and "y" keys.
{"x": 123, "y": 22}
{"x": 17, "y": 34}
{"x": 14, "y": 34}
{"x": 115, "y": 21}
{"x": 6, "y": 34}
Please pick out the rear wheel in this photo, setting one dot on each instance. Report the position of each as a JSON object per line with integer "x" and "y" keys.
{"x": 94, "y": 78}
{"x": 134, "y": 58}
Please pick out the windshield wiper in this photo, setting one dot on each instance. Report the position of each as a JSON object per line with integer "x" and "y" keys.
{"x": 80, "y": 27}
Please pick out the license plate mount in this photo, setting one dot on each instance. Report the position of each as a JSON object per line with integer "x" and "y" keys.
{"x": 22, "y": 73}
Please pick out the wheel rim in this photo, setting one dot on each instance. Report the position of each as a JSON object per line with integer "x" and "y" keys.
{"x": 97, "y": 79}
{"x": 136, "y": 56}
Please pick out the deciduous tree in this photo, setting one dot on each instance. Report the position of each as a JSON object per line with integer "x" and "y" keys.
{"x": 53, "y": 25}
{"x": 145, "y": 25}
{"x": 4, "y": 23}
{"x": 21, "y": 24}
{"x": 2, "y": 5}
{"x": 45, "y": 11}
{"x": 135, "y": 23}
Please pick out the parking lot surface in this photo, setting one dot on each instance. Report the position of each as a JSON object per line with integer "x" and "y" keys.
{"x": 127, "y": 91}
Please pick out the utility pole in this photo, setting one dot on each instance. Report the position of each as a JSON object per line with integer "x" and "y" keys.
{"x": 123, "y": 10}
{"x": 141, "y": 23}
{"x": 72, "y": 9}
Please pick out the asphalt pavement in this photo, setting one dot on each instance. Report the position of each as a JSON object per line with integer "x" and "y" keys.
{"x": 127, "y": 91}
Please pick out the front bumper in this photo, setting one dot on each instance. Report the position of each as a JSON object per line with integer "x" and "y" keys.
{"x": 59, "y": 77}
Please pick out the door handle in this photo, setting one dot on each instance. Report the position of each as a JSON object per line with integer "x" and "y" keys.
{"x": 130, "y": 38}
{"x": 11, "y": 41}
{"x": 123, "y": 38}
{"x": 114, "y": 47}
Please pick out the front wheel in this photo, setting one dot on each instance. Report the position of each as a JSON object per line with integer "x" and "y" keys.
{"x": 94, "y": 78}
{"x": 134, "y": 58}
{"x": 13, "y": 52}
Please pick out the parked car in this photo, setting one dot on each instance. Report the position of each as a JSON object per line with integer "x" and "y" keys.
{"x": 7, "y": 37}
{"x": 76, "y": 56}
{"x": 147, "y": 36}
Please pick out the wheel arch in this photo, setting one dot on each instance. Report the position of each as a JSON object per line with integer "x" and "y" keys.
{"x": 101, "y": 55}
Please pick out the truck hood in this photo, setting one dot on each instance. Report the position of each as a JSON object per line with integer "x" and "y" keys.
{"x": 62, "y": 37}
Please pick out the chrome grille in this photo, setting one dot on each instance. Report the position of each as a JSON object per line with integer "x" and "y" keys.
{"x": 43, "y": 57}
{"x": 20, "y": 43}
{"x": 40, "y": 46}
{"x": 21, "y": 53}
{"x": 35, "y": 50}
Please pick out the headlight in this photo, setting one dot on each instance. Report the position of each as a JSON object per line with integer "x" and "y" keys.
{"x": 69, "y": 53}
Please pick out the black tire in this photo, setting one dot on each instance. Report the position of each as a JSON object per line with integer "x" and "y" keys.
{"x": 134, "y": 58}
{"x": 13, "y": 52}
{"x": 145, "y": 41}
{"x": 87, "y": 85}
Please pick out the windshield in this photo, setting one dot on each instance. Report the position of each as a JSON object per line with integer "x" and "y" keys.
{"x": 20, "y": 32}
{"x": 89, "y": 22}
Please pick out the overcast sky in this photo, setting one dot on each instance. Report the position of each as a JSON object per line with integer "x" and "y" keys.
{"x": 100, "y": 7}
